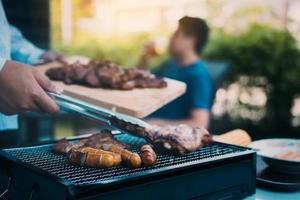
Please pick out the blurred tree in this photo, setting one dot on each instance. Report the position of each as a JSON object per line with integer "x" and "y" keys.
{"x": 268, "y": 53}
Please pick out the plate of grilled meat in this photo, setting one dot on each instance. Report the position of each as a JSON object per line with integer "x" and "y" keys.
{"x": 132, "y": 91}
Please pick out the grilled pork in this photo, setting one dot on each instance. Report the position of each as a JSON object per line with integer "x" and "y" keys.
{"x": 102, "y": 139}
{"x": 179, "y": 139}
{"x": 106, "y": 74}
{"x": 63, "y": 146}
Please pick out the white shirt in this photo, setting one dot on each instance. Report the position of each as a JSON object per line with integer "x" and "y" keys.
{"x": 13, "y": 46}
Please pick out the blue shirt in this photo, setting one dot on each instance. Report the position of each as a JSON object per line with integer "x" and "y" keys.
{"x": 13, "y": 46}
{"x": 199, "y": 92}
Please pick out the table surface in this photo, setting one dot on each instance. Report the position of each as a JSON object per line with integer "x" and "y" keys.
{"x": 262, "y": 194}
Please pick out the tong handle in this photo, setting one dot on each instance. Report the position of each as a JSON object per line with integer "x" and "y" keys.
{"x": 64, "y": 98}
{"x": 95, "y": 112}
{"x": 69, "y": 104}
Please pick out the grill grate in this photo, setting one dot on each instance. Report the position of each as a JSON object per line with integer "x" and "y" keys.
{"x": 41, "y": 157}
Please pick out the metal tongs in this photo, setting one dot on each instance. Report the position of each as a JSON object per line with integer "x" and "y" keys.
{"x": 70, "y": 104}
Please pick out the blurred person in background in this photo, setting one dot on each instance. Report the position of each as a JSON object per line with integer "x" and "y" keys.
{"x": 21, "y": 87}
{"x": 185, "y": 64}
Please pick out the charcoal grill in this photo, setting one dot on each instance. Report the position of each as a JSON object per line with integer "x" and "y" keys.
{"x": 218, "y": 171}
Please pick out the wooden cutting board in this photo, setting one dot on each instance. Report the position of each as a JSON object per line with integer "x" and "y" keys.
{"x": 138, "y": 102}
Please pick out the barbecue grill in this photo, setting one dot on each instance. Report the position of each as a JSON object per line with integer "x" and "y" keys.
{"x": 218, "y": 171}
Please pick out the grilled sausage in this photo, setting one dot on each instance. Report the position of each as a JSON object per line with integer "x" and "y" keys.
{"x": 94, "y": 157}
{"x": 148, "y": 155}
{"x": 106, "y": 158}
{"x": 131, "y": 159}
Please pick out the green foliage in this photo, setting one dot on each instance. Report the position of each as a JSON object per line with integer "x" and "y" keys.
{"x": 263, "y": 53}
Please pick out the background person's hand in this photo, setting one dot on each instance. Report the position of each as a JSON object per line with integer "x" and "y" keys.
{"x": 149, "y": 50}
{"x": 22, "y": 89}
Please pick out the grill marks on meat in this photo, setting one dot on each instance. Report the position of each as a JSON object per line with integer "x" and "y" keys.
{"x": 105, "y": 74}
{"x": 179, "y": 139}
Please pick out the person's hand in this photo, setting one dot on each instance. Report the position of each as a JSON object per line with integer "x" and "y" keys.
{"x": 149, "y": 50}
{"x": 22, "y": 88}
{"x": 51, "y": 56}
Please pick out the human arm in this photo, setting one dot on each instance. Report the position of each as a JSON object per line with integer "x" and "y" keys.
{"x": 24, "y": 51}
{"x": 22, "y": 88}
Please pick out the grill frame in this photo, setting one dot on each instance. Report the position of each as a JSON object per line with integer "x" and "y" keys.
{"x": 79, "y": 191}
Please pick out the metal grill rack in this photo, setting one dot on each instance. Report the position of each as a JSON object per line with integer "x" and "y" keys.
{"x": 41, "y": 157}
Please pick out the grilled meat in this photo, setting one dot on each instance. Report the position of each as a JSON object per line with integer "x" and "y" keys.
{"x": 63, "y": 146}
{"x": 60, "y": 146}
{"x": 102, "y": 139}
{"x": 95, "y": 141}
{"x": 106, "y": 74}
{"x": 91, "y": 157}
{"x": 180, "y": 139}
{"x": 129, "y": 158}
{"x": 90, "y": 151}
{"x": 148, "y": 155}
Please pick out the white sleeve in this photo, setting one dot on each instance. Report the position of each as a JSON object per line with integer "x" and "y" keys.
{"x": 23, "y": 50}
{"x": 2, "y": 62}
